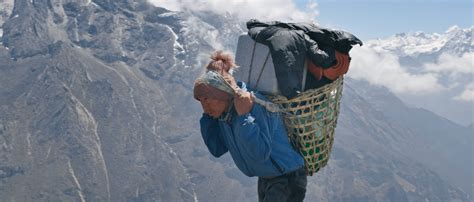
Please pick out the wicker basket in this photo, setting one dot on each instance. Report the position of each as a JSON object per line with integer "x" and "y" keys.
{"x": 311, "y": 120}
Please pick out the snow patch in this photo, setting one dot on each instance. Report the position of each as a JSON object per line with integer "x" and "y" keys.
{"x": 168, "y": 14}
{"x": 94, "y": 4}
{"x": 177, "y": 45}
{"x": 454, "y": 28}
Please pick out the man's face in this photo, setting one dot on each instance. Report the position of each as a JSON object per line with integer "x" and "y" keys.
{"x": 213, "y": 107}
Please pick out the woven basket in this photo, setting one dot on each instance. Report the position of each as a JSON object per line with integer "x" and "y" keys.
{"x": 311, "y": 120}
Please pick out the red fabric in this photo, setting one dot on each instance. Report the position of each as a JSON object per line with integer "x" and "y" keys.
{"x": 333, "y": 72}
{"x": 315, "y": 70}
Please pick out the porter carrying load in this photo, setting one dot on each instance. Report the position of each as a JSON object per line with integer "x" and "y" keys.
{"x": 275, "y": 59}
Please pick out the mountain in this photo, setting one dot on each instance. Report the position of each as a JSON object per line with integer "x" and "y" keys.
{"x": 440, "y": 144}
{"x": 455, "y": 40}
{"x": 447, "y": 57}
{"x": 88, "y": 95}
{"x": 96, "y": 105}
{"x": 367, "y": 155}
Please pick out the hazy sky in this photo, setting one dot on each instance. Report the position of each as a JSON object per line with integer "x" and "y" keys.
{"x": 369, "y": 19}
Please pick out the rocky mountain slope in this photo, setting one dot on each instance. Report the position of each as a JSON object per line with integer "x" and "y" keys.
{"x": 96, "y": 105}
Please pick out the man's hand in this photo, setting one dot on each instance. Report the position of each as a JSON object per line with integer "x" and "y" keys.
{"x": 243, "y": 102}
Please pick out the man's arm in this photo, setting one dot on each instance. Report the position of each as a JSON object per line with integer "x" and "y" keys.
{"x": 211, "y": 135}
{"x": 255, "y": 135}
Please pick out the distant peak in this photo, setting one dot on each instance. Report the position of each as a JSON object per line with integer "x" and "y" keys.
{"x": 455, "y": 40}
{"x": 420, "y": 34}
{"x": 453, "y": 28}
{"x": 400, "y": 34}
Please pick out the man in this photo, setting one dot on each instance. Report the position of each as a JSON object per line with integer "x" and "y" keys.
{"x": 255, "y": 138}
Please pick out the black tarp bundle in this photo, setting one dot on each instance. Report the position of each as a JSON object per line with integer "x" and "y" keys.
{"x": 291, "y": 44}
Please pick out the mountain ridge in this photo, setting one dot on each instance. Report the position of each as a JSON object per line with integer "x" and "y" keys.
{"x": 444, "y": 58}
{"x": 455, "y": 40}
{"x": 91, "y": 108}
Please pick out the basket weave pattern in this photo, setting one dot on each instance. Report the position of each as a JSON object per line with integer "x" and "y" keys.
{"x": 311, "y": 119}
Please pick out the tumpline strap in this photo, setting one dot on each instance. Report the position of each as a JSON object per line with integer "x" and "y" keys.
{"x": 305, "y": 70}
{"x": 251, "y": 60}
{"x": 270, "y": 106}
{"x": 261, "y": 71}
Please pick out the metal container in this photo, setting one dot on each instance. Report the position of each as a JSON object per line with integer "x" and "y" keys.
{"x": 256, "y": 66}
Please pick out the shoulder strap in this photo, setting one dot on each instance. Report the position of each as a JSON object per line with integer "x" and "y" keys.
{"x": 270, "y": 106}
{"x": 251, "y": 61}
{"x": 305, "y": 71}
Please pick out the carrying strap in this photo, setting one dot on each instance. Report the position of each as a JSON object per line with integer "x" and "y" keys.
{"x": 270, "y": 106}
{"x": 303, "y": 83}
{"x": 261, "y": 69}
{"x": 251, "y": 61}
{"x": 305, "y": 69}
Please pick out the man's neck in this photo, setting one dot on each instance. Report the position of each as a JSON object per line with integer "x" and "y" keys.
{"x": 227, "y": 115}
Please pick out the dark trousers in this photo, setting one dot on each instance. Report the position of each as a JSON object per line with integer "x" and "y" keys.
{"x": 287, "y": 187}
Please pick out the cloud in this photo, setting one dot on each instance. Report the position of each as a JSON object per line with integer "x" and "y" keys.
{"x": 383, "y": 68}
{"x": 284, "y": 10}
{"x": 467, "y": 95}
{"x": 168, "y": 4}
{"x": 448, "y": 63}
{"x": 447, "y": 72}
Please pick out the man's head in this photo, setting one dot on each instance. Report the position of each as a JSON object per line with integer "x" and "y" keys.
{"x": 214, "y": 107}
{"x": 215, "y": 89}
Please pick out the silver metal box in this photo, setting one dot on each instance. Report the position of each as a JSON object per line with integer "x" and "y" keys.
{"x": 255, "y": 60}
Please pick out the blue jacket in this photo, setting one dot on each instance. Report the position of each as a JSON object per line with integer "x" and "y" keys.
{"x": 257, "y": 141}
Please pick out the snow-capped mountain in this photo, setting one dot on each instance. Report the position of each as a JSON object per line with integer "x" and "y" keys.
{"x": 455, "y": 40}
{"x": 431, "y": 71}
{"x": 96, "y": 105}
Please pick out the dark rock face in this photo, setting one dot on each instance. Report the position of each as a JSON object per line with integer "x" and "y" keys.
{"x": 72, "y": 126}
{"x": 96, "y": 105}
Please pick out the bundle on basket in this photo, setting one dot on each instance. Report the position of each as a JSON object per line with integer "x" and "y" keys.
{"x": 300, "y": 68}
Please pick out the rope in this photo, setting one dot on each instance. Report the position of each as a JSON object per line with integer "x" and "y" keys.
{"x": 261, "y": 71}
{"x": 271, "y": 107}
{"x": 251, "y": 60}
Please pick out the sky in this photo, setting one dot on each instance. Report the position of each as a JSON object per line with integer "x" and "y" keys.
{"x": 370, "y": 19}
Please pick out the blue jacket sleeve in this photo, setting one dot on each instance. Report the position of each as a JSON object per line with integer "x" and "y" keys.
{"x": 211, "y": 135}
{"x": 256, "y": 133}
